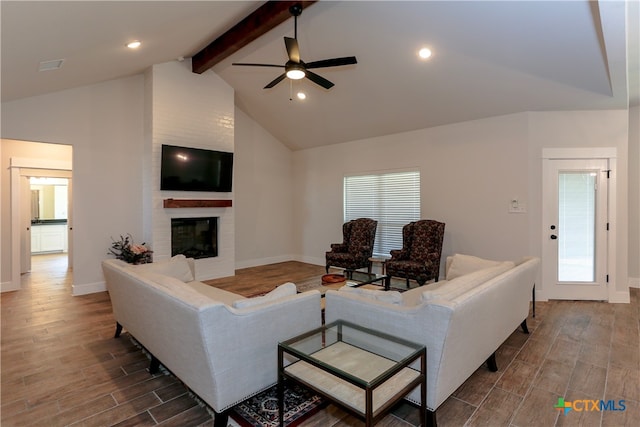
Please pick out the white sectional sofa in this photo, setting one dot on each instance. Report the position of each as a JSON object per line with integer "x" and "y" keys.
{"x": 462, "y": 320}
{"x": 221, "y": 345}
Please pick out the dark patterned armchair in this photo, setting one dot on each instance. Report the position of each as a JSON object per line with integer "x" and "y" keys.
{"x": 419, "y": 258}
{"x": 358, "y": 237}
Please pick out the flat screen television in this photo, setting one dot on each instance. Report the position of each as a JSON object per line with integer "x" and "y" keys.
{"x": 195, "y": 169}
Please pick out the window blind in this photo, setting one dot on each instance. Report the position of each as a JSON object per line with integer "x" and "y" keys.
{"x": 393, "y": 199}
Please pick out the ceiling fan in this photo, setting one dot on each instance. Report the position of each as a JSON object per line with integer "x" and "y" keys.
{"x": 296, "y": 68}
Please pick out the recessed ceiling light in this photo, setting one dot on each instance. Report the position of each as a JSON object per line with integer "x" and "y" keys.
{"x": 134, "y": 44}
{"x": 424, "y": 53}
{"x": 54, "y": 64}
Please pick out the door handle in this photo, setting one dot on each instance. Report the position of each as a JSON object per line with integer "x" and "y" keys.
{"x": 553, "y": 237}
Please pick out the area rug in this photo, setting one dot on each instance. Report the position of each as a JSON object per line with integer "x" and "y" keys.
{"x": 262, "y": 409}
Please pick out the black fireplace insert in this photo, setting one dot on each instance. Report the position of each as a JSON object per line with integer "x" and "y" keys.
{"x": 194, "y": 237}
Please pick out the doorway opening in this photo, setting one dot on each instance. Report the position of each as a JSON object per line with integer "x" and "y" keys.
{"x": 578, "y": 185}
{"x": 40, "y": 160}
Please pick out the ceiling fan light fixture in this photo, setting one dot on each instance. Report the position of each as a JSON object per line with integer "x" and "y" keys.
{"x": 296, "y": 73}
{"x": 295, "y": 68}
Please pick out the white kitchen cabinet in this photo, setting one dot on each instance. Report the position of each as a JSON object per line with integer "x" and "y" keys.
{"x": 48, "y": 238}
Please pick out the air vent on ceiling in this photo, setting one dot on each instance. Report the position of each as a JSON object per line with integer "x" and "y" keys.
{"x": 54, "y": 64}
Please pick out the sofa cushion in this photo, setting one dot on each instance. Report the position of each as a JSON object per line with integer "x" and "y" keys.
{"x": 176, "y": 289}
{"x": 390, "y": 297}
{"x": 413, "y": 297}
{"x": 214, "y": 293}
{"x": 459, "y": 265}
{"x": 177, "y": 267}
{"x": 281, "y": 291}
{"x": 451, "y": 289}
{"x": 195, "y": 289}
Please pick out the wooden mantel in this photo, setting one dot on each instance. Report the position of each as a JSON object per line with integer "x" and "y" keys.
{"x": 197, "y": 203}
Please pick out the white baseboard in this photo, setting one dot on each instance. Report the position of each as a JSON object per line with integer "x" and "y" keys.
{"x": 616, "y": 297}
{"x": 9, "y": 286}
{"x": 89, "y": 288}
{"x": 634, "y": 282}
{"x": 620, "y": 297}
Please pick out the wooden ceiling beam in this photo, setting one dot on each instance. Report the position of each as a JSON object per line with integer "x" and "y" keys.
{"x": 260, "y": 21}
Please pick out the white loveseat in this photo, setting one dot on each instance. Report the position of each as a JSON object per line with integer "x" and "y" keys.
{"x": 462, "y": 320}
{"x": 221, "y": 345}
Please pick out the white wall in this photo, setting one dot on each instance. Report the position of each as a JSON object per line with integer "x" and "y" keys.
{"x": 103, "y": 123}
{"x": 264, "y": 196}
{"x": 192, "y": 110}
{"x": 465, "y": 182}
{"x": 634, "y": 196}
{"x": 116, "y": 129}
{"x": 469, "y": 172}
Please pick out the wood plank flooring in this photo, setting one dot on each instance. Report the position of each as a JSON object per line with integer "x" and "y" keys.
{"x": 61, "y": 365}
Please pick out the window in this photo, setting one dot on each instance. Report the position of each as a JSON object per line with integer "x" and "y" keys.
{"x": 393, "y": 199}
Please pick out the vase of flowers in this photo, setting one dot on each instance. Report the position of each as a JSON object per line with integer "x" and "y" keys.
{"x": 130, "y": 252}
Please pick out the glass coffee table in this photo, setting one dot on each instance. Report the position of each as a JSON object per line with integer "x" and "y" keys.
{"x": 363, "y": 371}
{"x": 356, "y": 279}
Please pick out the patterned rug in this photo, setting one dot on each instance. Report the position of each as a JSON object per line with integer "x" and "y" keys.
{"x": 262, "y": 409}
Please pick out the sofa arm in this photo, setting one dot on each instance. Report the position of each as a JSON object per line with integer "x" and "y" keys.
{"x": 426, "y": 324}
{"x": 249, "y": 337}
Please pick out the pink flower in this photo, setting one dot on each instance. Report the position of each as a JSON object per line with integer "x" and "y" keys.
{"x": 138, "y": 249}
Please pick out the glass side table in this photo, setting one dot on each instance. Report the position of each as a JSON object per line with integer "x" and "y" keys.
{"x": 362, "y": 370}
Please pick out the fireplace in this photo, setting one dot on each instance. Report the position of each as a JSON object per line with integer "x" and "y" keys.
{"x": 194, "y": 237}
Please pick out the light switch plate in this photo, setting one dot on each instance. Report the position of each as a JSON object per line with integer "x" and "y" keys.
{"x": 517, "y": 206}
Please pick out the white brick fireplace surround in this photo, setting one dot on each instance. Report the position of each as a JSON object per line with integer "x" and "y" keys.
{"x": 190, "y": 110}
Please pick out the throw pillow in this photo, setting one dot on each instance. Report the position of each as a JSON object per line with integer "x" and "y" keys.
{"x": 390, "y": 297}
{"x": 465, "y": 264}
{"x": 177, "y": 267}
{"x": 451, "y": 289}
{"x": 281, "y": 291}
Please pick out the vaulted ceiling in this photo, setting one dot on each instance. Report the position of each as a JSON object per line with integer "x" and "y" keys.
{"x": 489, "y": 58}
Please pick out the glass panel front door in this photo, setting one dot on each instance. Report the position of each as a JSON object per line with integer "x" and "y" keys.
{"x": 576, "y": 219}
{"x": 574, "y": 216}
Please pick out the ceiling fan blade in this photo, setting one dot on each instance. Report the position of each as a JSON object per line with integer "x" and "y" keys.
{"x": 276, "y": 81}
{"x": 292, "y": 49}
{"x": 319, "y": 80}
{"x": 334, "y": 62}
{"x": 257, "y": 65}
